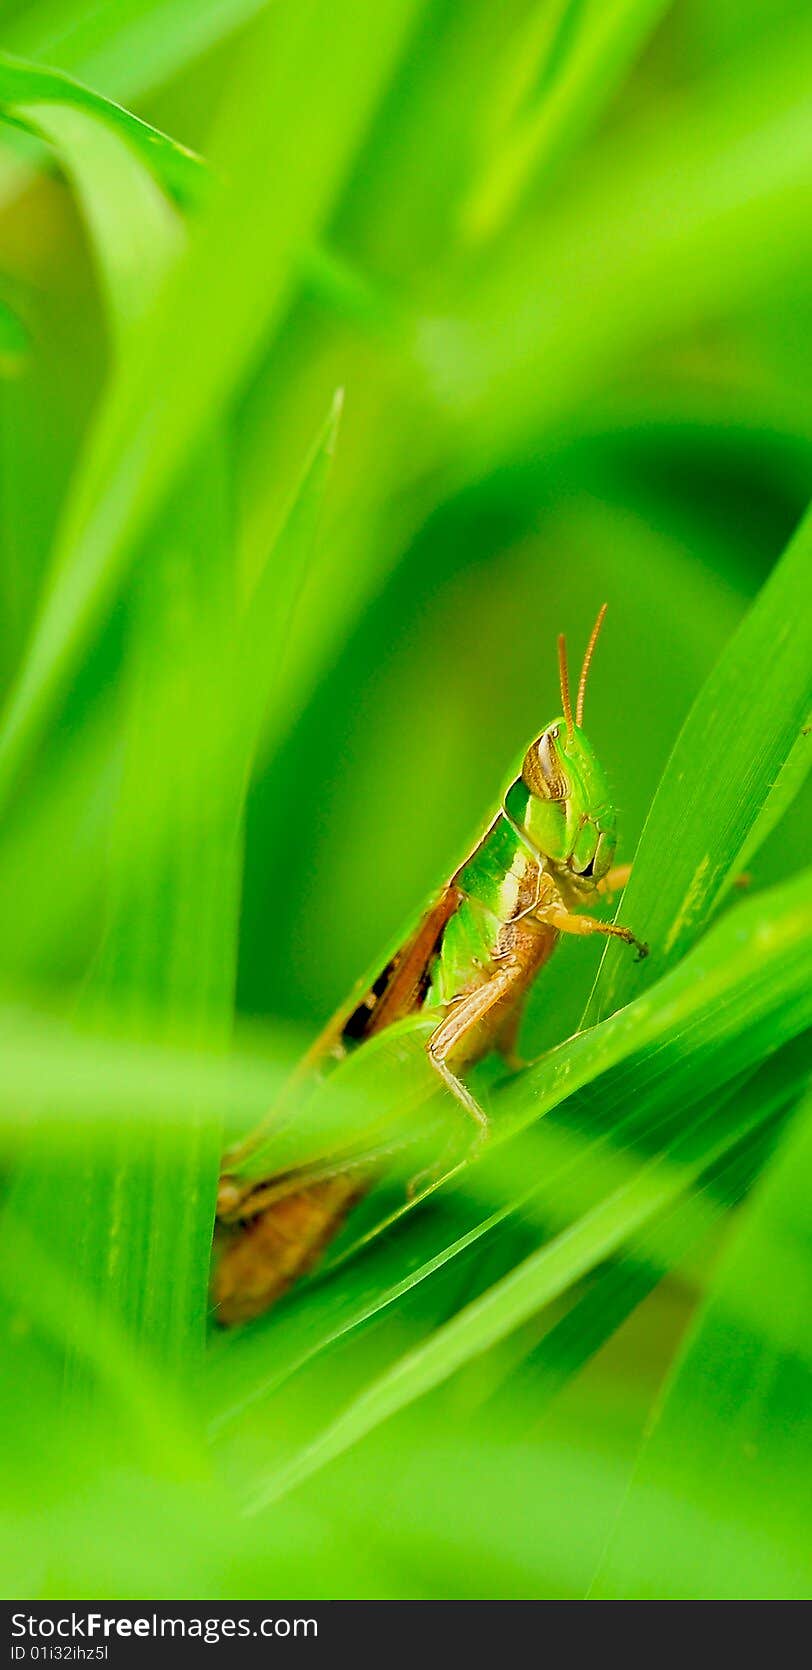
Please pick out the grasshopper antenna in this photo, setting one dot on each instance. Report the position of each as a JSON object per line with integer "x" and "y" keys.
{"x": 590, "y": 651}
{"x": 564, "y": 679}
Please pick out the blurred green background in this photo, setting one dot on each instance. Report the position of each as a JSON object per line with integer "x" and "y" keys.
{"x": 267, "y": 657}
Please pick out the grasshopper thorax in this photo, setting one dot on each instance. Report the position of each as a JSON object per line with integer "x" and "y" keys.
{"x": 561, "y": 801}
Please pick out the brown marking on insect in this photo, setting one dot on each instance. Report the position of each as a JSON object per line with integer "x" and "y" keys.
{"x": 272, "y": 1232}
{"x": 397, "y": 991}
{"x": 255, "y": 1263}
{"x": 401, "y": 987}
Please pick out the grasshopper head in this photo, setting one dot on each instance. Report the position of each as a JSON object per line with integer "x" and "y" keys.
{"x": 562, "y": 798}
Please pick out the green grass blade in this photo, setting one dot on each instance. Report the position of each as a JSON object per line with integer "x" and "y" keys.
{"x": 134, "y": 229}
{"x": 721, "y": 778}
{"x": 128, "y": 47}
{"x": 547, "y": 1274}
{"x": 615, "y": 1290}
{"x": 307, "y": 87}
{"x": 169, "y": 949}
{"x": 695, "y": 215}
{"x": 603, "y": 47}
{"x": 271, "y": 606}
{"x": 177, "y": 169}
{"x": 80, "y": 1077}
{"x": 572, "y": 1173}
{"x": 45, "y": 1298}
{"x": 783, "y": 793}
{"x": 719, "y": 1506}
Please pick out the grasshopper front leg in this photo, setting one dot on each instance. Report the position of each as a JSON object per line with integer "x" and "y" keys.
{"x": 571, "y": 922}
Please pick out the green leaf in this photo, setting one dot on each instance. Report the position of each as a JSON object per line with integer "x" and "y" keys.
{"x": 543, "y": 1277}
{"x": 602, "y": 47}
{"x": 618, "y": 1287}
{"x": 22, "y": 85}
{"x": 695, "y": 213}
{"x": 134, "y": 229}
{"x": 39, "y": 1295}
{"x": 79, "y": 1077}
{"x": 783, "y": 792}
{"x": 723, "y": 779}
{"x": 170, "y": 943}
{"x": 719, "y": 1506}
{"x": 128, "y": 46}
{"x": 310, "y": 84}
{"x": 271, "y": 606}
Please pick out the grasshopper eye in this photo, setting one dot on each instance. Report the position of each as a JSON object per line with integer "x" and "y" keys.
{"x": 542, "y": 771}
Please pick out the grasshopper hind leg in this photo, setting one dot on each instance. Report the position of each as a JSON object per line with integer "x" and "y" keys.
{"x": 460, "y": 1090}
{"x": 473, "y": 1025}
{"x": 488, "y": 1017}
{"x": 464, "y": 1035}
{"x": 468, "y": 1031}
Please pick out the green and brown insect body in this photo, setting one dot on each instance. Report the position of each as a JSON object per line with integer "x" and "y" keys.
{"x": 541, "y": 858}
{"x": 471, "y": 961}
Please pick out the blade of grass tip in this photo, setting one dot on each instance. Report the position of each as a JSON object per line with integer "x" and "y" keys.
{"x": 175, "y": 168}
{"x": 720, "y": 779}
{"x": 718, "y": 1507}
{"x": 134, "y": 230}
{"x": 600, "y": 52}
{"x": 783, "y": 989}
{"x": 299, "y": 100}
{"x": 533, "y": 54}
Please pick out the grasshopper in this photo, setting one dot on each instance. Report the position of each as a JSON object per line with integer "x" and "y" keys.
{"x": 470, "y": 963}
